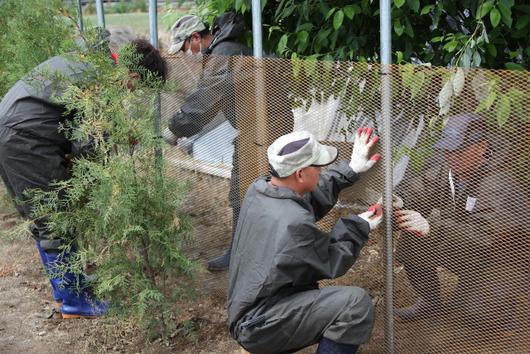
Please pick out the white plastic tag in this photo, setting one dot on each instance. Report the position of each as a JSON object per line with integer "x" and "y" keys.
{"x": 470, "y": 203}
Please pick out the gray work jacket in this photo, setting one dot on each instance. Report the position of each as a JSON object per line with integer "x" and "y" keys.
{"x": 279, "y": 250}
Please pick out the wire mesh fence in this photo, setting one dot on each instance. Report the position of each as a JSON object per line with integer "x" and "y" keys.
{"x": 463, "y": 181}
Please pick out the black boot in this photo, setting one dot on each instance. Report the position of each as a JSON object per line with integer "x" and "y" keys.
{"x": 220, "y": 263}
{"x": 424, "y": 280}
{"x": 420, "y": 309}
{"x": 327, "y": 346}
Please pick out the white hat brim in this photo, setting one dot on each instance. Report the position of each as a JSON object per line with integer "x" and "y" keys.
{"x": 327, "y": 155}
{"x": 175, "y": 48}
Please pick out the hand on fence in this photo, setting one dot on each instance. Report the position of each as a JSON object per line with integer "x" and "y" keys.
{"x": 360, "y": 160}
{"x": 413, "y": 222}
{"x": 397, "y": 202}
{"x": 169, "y": 137}
{"x": 373, "y": 216}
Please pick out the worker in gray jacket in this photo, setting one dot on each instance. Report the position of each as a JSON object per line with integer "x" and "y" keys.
{"x": 35, "y": 153}
{"x": 460, "y": 213}
{"x": 216, "y": 93}
{"x": 279, "y": 254}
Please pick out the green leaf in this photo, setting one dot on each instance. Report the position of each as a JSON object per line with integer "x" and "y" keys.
{"x": 486, "y": 104}
{"x": 451, "y": 46}
{"x": 302, "y": 41}
{"x": 398, "y": 27}
{"x": 407, "y": 75}
{"x": 295, "y": 61}
{"x": 238, "y": 4}
{"x": 337, "y": 19}
{"x": 349, "y": 11}
{"x": 414, "y": 5}
{"x": 399, "y": 3}
{"x": 437, "y": 39}
{"x": 310, "y": 64}
{"x": 330, "y": 12}
{"x": 514, "y": 66}
{"x": 426, "y": 9}
{"x": 305, "y": 27}
{"x": 522, "y": 22}
{"x": 408, "y": 29}
{"x": 492, "y": 50}
{"x": 495, "y": 17}
{"x": 506, "y": 13}
{"x": 417, "y": 84}
{"x": 399, "y": 57}
{"x": 477, "y": 59}
{"x": 465, "y": 61}
{"x": 272, "y": 29}
{"x": 484, "y": 9}
{"x": 282, "y": 44}
{"x": 503, "y": 110}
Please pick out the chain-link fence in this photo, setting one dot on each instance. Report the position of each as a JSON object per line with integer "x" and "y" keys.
{"x": 467, "y": 178}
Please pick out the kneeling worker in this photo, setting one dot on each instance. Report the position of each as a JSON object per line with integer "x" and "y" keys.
{"x": 279, "y": 254}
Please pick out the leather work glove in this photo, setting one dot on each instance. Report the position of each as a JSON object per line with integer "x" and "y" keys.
{"x": 360, "y": 160}
{"x": 373, "y": 216}
{"x": 397, "y": 202}
{"x": 413, "y": 222}
{"x": 169, "y": 137}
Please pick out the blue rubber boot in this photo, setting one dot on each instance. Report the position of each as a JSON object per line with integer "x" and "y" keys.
{"x": 56, "y": 295}
{"x": 77, "y": 303}
{"x": 327, "y": 346}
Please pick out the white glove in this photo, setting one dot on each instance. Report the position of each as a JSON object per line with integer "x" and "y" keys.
{"x": 360, "y": 161}
{"x": 169, "y": 137}
{"x": 412, "y": 221}
{"x": 373, "y": 216}
{"x": 397, "y": 202}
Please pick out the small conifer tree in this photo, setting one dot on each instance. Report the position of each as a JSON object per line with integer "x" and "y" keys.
{"x": 119, "y": 209}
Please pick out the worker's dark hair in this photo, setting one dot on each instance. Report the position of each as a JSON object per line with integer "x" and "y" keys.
{"x": 204, "y": 32}
{"x": 151, "y": 59}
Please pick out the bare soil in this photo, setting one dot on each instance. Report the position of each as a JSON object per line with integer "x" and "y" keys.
{"x": 200, "y": 325}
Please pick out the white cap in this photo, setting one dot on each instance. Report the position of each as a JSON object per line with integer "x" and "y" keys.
{"x": 298, "y": 150}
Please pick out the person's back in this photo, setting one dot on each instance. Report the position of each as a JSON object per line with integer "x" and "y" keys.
{"x": 279, "y": 254}
{"x": 30, "y": 106}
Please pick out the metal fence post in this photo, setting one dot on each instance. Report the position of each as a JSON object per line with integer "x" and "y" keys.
{"x": 261, "y": 109}
{"x": 100, "y": 12}
{"x": 80, "y": 16}
{"x": 153, "y": 23}
{"x": 257, "y": 38}
{"x": 153, "y": 36}
{"x": 386, "y": 111}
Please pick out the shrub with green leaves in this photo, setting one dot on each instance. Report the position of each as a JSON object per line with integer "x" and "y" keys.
{"x": 31, "y": 31}
{"x": 486, "y": 33}
{"x": 119, "y": 208}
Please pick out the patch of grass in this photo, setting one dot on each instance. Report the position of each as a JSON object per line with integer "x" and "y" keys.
{"x": 6, "y": 203}
{"x": 138, "y": 21}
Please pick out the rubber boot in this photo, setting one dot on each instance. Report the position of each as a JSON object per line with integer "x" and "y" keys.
{"x": 77, "y": 303}
{"x": 425, "y": 282}
{"x": 327, "y": 346}
{"x": 220, "y": 263}
{"x": 56, "y": 295}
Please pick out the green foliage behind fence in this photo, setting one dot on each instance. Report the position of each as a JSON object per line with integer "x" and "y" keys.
{"x": 31, "y": 31}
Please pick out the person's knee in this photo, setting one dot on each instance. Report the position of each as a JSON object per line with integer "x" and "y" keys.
{"x": 363, "y": 305}
{"x": 355, "y": 321}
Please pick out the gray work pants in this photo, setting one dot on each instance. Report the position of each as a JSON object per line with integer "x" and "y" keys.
{"x": 342, "y": 314}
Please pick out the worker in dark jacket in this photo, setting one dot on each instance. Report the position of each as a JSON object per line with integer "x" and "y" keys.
{"x": 279, "y": 254}
{"x": 34, "y": 152}
{"x": 216, "y": 92}
{"x": 463, "y": 205}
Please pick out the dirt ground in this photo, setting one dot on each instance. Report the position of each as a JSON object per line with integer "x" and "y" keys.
{"x": 25, "y": 299}
{"x": 26, "y": 324}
